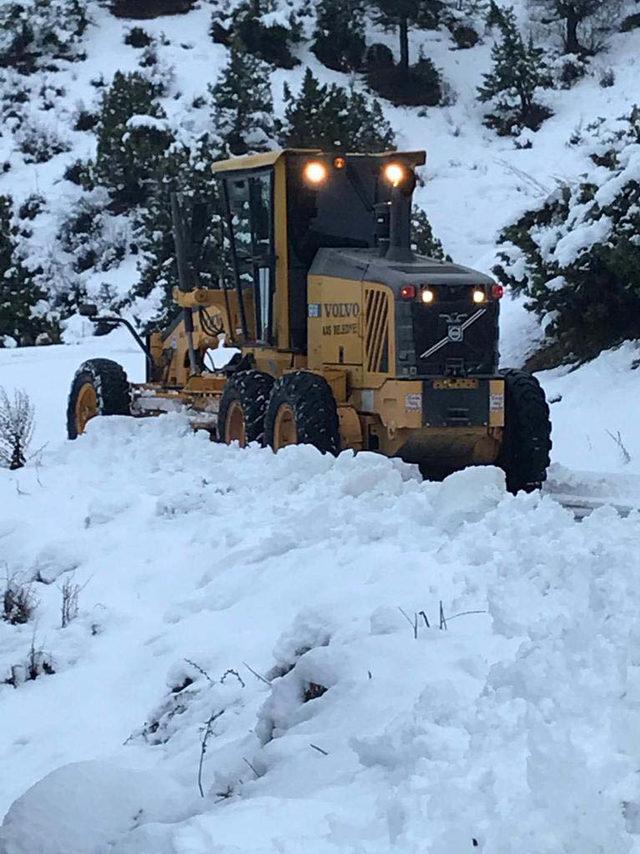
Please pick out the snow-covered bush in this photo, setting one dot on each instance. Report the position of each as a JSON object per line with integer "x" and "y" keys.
{"x": 18, "y": 600}
{"x": 328, "y": 116}
{"x": 567, "y": 69}
{"x": 418, "y": 85}
{"x": 138, "y": 37}
{"x": 89, "y": 235}
{"x": 132, "y": 138}
{"x": 267, "y": 29}
{"x": 16, "y": 432}
{"x": 577, "y": 257}
{"x": 40, "y": 142}
{"x": 36, "y": 31}
{"x": 338, "y": 39}
{"x": 156, "y": 70}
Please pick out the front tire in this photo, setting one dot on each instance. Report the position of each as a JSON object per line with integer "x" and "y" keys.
{"x": 100, "y": 387}
{"x": 527, "y": 433}
{"x": 243, "y": 406}
{"x": 302, "y": 411}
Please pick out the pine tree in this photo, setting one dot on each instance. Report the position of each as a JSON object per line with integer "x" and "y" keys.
{"x": 243, "y": 105}
{"x": 519, "y": 70}
{"x": 20, "y": 297}
{"x": 330, "y": 117}
{"x": 423, "y": 240}
{"x": 33, "y": 30}
{"x": 582, "y": 22}
{"x": 338, "y": 40}
{"x": 132, "y": 138}
{"x": 187, "y": 171}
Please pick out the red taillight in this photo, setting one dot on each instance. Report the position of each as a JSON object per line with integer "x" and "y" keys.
{"x": 408, "y": 292}
{"x": 497, "y": 291}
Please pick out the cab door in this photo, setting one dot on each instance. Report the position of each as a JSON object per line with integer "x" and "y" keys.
{"x": 248, "y": 199}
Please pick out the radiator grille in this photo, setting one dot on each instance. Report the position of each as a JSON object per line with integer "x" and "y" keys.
{"x": 376, "y": 331}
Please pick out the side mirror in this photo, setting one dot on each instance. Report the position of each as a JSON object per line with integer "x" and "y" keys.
{"x": 87, "y": 310}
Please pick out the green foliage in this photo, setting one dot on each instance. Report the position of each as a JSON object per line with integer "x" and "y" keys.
{"x": 338, "y": 40}
{"x": 330, "y": 117}
{"x": 577, "y": 257}
{"x": 519, "y": 70}
{"x": 20, "y": 318}
{"x": 418, "y": 85}
{"x": 243, "y": 105}
{"x": 32, "y": 31}
{"x": 132, "y": 139}
{"x": 257, "y": 26}
{"x": 423, "y": 240}
{"x": 138, "y": 37}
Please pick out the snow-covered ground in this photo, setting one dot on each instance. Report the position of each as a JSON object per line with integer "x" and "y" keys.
{"x": 515, "y": 727}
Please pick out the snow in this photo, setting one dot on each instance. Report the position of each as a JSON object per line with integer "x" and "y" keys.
{"x": 224, "y": 585}
{"x": 515, "y": 725}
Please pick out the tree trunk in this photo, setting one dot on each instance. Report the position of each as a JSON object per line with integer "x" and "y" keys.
{"x": 404, "y": 43}
{"x": 571, "y": 43}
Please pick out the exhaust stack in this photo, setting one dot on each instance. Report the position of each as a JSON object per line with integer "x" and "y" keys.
{"x": 400, "y": 224}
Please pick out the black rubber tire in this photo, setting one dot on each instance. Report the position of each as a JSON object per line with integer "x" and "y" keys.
{"x": 251, "y": 389}
{"x": 314, "y": 409}
{"x": 527, "y": 435}
{"x": 111, "y": 385}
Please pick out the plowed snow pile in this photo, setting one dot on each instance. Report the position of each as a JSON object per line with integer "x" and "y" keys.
{"x": 512, "y": 729}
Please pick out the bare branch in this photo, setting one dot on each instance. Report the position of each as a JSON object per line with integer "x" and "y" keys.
{"x": 256, "y": 674}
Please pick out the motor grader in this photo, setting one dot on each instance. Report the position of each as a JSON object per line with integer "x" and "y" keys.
{"x": 344, "y": 337}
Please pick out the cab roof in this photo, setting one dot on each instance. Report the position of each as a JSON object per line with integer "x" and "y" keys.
{"x": 269, "y": 158}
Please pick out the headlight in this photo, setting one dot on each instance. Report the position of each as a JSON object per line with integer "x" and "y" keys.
{"x": 395, "y": 173}
{"x": 315, "y": 172}
{"x": 427, "y": 296}
{"x": 479, "y": 296}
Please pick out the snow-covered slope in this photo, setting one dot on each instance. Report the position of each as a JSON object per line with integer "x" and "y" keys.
{"x": 474, "y": 183}
{"x": 514, "y": 726}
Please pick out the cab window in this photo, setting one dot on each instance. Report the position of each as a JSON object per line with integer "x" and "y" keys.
{"x": 250, "y": 229}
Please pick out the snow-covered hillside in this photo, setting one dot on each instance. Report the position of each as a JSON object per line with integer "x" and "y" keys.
{"x": 475, "y": 182}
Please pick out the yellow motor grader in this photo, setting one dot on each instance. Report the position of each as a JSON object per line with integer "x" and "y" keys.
{"x": 344, "y": 337}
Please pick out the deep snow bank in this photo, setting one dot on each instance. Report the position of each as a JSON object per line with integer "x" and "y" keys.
{"x": 515, "y": 727}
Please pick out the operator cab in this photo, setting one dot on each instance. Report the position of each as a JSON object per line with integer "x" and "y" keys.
{"x": 282, "y": 207}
